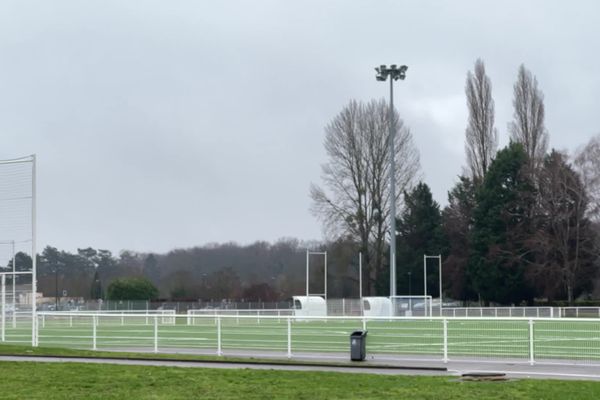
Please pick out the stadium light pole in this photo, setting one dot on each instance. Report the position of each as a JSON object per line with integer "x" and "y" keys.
{"x": 395, "y": 73}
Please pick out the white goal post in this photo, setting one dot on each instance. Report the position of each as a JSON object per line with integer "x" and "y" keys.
{"x": 412, "y": 306}
{"x": 324, "y": 255}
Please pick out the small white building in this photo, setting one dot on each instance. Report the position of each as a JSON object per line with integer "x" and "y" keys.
{"x": 377, "y": 307}
{"x": 309, "y": 306}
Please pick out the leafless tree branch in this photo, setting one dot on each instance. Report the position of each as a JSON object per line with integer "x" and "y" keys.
{"x": 481, "y": 138}
{"x": 355, "y": 203}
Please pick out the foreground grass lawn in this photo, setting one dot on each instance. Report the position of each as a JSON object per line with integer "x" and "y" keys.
{"x": 28, "y": 380}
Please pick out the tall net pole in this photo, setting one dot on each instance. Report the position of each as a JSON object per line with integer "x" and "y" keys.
{"x": 18, "y": 235}
{"x": 33, "y": 253}
{"x": 14, "y": 287}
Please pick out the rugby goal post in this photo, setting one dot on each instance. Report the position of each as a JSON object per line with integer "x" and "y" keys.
{"x": 324, "y": 255}
{"x": 412, "y": 306}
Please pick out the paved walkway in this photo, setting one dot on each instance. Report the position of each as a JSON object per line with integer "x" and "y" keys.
{"x": 413, "y": 367}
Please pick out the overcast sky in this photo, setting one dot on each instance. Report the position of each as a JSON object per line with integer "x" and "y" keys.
{"x": 163, "y": 124}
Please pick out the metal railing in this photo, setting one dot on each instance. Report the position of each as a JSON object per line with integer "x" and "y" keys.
{"x": 495, "y": 312}
{"x": 257, "y": 313}
{"x": 528, "y": 340}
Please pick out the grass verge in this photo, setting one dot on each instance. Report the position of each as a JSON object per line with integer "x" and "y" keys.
{"x": 92, "y": 381}
{"x": 14, "y": 350}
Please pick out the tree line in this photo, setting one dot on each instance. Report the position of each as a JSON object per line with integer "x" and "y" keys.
{"x": 521, "y": 223}
{"x": 256, "y": 272}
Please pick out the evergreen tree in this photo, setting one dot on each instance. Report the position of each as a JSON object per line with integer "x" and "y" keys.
{"x": 419, "y": 233}
{"x": 458, "y": 224}
{"x": 132, "y": 289}
{"x": 96, "y": 292}
{"x": 151, "y": 270}
{"x": 502, "y": 226}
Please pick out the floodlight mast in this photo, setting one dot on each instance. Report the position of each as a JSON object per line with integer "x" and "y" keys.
{"x": 395, "y": 73}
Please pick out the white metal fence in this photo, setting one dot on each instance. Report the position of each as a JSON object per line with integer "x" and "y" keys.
{"x": 537, "y": 312}
{"x": 353, "y": 308}
{"x": 258, "y": 313}
{"x": 495, "y": 312}
{"x": 531, "y": 340}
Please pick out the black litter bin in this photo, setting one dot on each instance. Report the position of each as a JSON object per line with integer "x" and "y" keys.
{"x": 358, "y": 345}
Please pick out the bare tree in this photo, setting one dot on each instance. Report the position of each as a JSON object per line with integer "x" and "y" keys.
{"x": 587, "y": 162}
{"x": 563, "y": 236}
{"x": 356, "y": 203}
{"x": 481, "y": 138}
{"x": 528, "y": 126}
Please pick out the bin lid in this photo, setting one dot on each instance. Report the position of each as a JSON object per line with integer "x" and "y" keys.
{"x": 359, "y": 333}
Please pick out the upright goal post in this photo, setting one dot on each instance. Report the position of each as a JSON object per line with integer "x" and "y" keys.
{"x": 412, "y": 306}
{"x": 439, "y": 258}
{"x": 324, "y": 255}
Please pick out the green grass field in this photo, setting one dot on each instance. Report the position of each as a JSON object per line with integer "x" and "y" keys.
{"x": 27, "y": 380}
{"x": 475, "y": 338}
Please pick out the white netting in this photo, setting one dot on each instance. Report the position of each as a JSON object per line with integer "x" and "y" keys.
{"x": 17, "y": 242}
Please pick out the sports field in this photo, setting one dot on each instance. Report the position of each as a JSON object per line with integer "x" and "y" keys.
{"x": 553, "y": 339}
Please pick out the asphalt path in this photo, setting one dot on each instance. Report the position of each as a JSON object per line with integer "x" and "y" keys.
{"x": 415, "y": 367}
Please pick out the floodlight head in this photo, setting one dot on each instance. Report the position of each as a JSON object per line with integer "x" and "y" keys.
{"x": 381, "y": 73}
{"x": 393, "y": 66}
{"x": 403, "y": 69}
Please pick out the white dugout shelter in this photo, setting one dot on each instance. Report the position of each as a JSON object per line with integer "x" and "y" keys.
{"x": 309, "y": 306}
{"x": 377, "y": 307}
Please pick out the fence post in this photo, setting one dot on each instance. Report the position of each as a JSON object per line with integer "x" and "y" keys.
{"x": 445, "y": 322}
{"x": 531, "y": 347}
{"x": 94, "y": 333}
{"x": 36, "y": 333}
{"x": 219, "y": 351}
{"x": 156, "y": 333}
{"x": 364, "y": 321}
{"x": 70, "y": 321}
{"x": 289, "y": 338}
{"x": 123, "y": 319}
{"x": 3, "y": 302}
